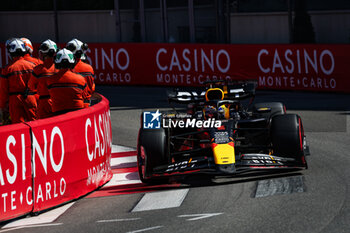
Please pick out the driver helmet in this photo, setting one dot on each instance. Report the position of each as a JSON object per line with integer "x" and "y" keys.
{"x": 209, "y": 112}
{"x": 64, "y": 59}
{"x": 28, "y": 45}
{"x": 224, "y": 111}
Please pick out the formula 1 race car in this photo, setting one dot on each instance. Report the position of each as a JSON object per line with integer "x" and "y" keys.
{"x": 220, "y": 134}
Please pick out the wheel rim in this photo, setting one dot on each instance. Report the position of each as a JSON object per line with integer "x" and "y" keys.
{"x": 141, "y": 163}
{"x": 300, "y": 135}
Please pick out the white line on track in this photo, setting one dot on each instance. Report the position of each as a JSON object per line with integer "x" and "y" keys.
{"x": 161, "y": 200}
{"x": 31, "y": 226}
{"x": 43, "y": 218}
{"x": 194, "y": 217}
{"x": 116, "y": 149}
{"x": 48, "y": 217}
{"x": 123, "y": 162}
{"x": 146, "y": 229}
{"x": 118, "y": 220}
{"x": 123, "y": 178}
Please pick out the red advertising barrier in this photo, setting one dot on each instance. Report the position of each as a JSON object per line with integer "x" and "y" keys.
{"x": 287, "y": 67}
{"x": 64, "y": 158}
{"x": 16, "y": 186}
{"x": 282, "y": 67}
{"x": 71, "y": 155}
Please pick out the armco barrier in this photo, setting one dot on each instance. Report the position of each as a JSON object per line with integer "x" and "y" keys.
{"x": 47, "y": 162}
{"x": 283, "y": 67}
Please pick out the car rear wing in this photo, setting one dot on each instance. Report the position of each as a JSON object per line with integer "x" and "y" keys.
{"x": 233, "y": 90}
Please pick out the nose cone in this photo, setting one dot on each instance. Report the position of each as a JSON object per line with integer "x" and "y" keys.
{"x": 223, "y": 153}
{"x": 224, "y": 157}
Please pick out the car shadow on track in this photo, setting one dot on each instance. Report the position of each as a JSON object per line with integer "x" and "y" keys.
{"x": 200, "y": 180}
{"x": 194, "y": 181}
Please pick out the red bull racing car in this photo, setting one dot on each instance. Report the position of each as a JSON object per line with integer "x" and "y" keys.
{"x": 220, "y": 134}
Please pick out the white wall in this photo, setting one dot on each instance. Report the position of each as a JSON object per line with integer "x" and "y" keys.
{"x": 36, "y": 25}
{"x": 100, "y": 26}
{"x": 329, "y": 27}
{"x": 259, "y": 28}
{"x": 89, "y": 26}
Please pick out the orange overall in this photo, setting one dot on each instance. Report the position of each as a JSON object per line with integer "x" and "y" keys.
{"x": 38, "y": 82}
{"x": 14, "y": 88}
{"x": 66, "y": 91}
{"x": 34, "y": 60}
{"x": 88, "y": 73}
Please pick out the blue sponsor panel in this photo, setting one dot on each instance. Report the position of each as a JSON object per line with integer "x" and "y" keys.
{"x": 151, "y": 120}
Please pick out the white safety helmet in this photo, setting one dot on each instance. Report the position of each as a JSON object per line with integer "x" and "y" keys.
{"x": 16, "y": 48}
{"x": 64, "y": 59}
{"x": 9, "y": 41}
{"x": 77, "y": 47}
{"x": 28, "y": 44}
{"x": 48, "y": 47}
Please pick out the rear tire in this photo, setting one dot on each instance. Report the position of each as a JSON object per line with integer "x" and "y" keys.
{"x": 277, "y": 108}
{"x": 287, "y": 136}
{"x": 152, "y": 151}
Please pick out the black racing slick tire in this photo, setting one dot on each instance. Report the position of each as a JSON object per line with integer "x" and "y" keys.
{"x": 277, "y": 108}
{"x": 152, "y": 151}
{"x": 287, "y": 136}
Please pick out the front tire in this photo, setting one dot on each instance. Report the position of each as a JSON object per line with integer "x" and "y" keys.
{"x": 152, "y": 151}
{"x": 287, "y": 137}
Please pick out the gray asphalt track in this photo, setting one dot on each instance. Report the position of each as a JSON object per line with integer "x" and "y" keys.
{"x": 322, "y": 205}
